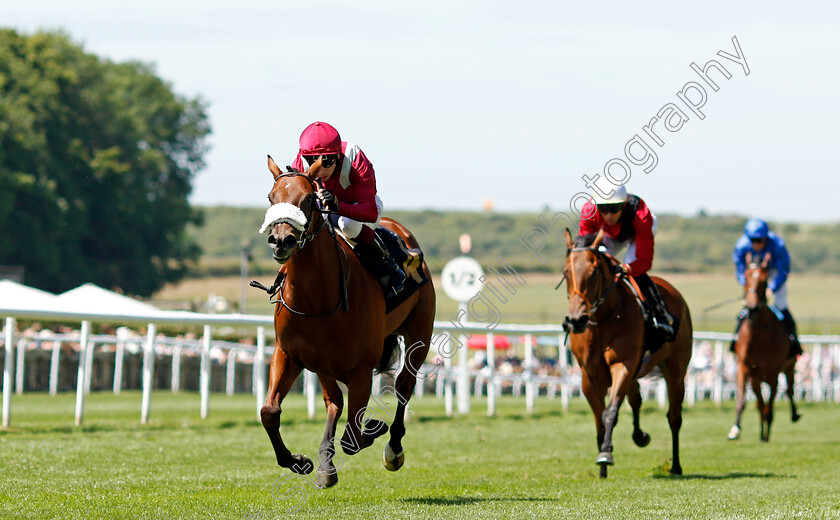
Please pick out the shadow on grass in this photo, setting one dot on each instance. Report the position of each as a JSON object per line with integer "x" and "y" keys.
{"x": 135, "y": 428}
{"x": 463, "y": 501}
{"x": 509, "y": 416}
{"x": 728, "y": 476}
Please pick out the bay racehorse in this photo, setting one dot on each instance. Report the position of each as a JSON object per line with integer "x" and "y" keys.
{"x": 331, "y": 319}
{"x": 609, "y": 340}
{"x": 762, "y": 350}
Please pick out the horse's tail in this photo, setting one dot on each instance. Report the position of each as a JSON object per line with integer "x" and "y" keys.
{"x": 389, "y": 352}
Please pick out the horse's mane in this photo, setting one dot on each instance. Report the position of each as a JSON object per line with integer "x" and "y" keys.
{"x": 585, "y": 240}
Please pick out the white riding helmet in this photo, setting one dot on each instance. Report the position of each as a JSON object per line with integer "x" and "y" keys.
{"x": 619, "y": 194}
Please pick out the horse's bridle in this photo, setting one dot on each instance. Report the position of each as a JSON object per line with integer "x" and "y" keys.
{"x": 306, "y": 236}
{"x": 752, "y": 290}
{"x": 592, "y": 308}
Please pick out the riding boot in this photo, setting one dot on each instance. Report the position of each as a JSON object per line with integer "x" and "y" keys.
{"x": 383, "y": 266}
{"x": 663, "y": 321}
{"x": 790, "y": 328}
{"x": 738, "y": 321}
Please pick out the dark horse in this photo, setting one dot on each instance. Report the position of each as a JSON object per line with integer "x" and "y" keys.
{"x": 762, "y": 350}
{"x": 316, "y": 331}
{"x": 609, "y": 341}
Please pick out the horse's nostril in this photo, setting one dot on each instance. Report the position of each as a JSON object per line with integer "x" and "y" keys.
{"x": 289, "y": 241}
{"x": 272, "y": 240}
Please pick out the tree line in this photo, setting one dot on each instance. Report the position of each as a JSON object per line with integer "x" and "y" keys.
{"x": 698, "y": 244}
{"x": 97, "y": 160}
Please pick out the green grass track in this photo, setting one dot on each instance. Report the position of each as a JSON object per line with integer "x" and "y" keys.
{"x": 508, "y": 466}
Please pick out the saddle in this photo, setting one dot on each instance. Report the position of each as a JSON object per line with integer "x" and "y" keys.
{"x": 409, "y": 259}
{"x": 654, "y": 337}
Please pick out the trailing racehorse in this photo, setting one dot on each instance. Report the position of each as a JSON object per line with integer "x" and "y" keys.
{"x": 762, "y": 350}
{"x": 610, "y": 340}
{"x": 331, "y": 319}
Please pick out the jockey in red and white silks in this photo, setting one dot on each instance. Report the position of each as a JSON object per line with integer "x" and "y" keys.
{"x": 627, "y": 222}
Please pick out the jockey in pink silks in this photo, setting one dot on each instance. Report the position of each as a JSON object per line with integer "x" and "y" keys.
{"x": 349, "y": 190}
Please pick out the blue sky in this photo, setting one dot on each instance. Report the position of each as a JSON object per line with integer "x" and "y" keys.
{"x": 510, "y": 102}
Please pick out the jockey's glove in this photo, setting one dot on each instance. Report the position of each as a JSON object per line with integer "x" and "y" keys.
{"x": 328, "y": 199}
{"x": 620, "y": 269}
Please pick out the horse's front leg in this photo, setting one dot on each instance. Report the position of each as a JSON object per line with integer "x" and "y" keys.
{"x": 759, "y": 403}
{"x": 767, "y": 414}
{"x": 594, "y": 393}
{"x": 621, "y": 385}
{"x": 282, "y": 375}
{"x": 358, "y": 435}
{"x": 334, "y": 402}
{"x": 740, "y": 401}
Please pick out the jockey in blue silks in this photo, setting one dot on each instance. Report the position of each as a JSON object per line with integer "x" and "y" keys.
{"x": 759, "y": 240}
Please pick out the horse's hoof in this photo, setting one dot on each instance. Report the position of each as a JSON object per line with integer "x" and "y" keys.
{"x": 605, "y": 457}
{"x": 676, "y": 470}
{"x": 795, "y": 417}
{"x": 641, "y": 440}
{"x": 734, "y": 434}
{"x": 327, "y": 478}
{"x": 302, "y": 465}
{"x": 392, "y": 461}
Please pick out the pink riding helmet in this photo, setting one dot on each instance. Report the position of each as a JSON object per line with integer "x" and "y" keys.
{"x": 319, "y": 138}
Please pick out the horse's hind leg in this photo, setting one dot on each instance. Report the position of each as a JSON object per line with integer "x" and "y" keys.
{"x": 282, "y": 375}
{"x": 334, "y": 402}
{"x": 415, "y": 354}
{"x": 675, "y": 378}
{"x": 740, "y": 401}
{"x": 767, "y": 414}
{"x": 355, "y": 438}
{"x": 789, "y": 372}
{"x": 640, "y": 437}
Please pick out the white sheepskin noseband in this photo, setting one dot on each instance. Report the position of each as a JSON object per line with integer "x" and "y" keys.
{"x": 284, "y": 212}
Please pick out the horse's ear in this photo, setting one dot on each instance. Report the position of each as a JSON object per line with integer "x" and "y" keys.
{"x": 273, "y": 168}
{"x": 568, "y": 236}
{"x": 749, "y": 257}
{"x": 765, "y": 261}
{"x": 598, "y": 239}
{"x": 314, "y": 169}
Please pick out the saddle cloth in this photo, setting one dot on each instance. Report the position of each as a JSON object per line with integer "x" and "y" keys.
{"x": 411, "y": 261}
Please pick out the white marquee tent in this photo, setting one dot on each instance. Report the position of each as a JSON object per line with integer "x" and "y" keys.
{"x": 15, "y": 295}
{"x": 90, "y": 298}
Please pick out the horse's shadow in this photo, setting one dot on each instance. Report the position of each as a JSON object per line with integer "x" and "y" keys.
{"x": 463, "y": 501}
{"x": 729, "y": 476}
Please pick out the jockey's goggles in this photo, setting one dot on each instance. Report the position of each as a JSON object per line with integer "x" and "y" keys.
{"x": 326, "y": 160}
{"x": 757, "y": 240}
{"x": 611, "y": 208}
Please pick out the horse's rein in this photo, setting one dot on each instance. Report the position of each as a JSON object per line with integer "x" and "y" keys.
{"x": 306, "y": 236}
